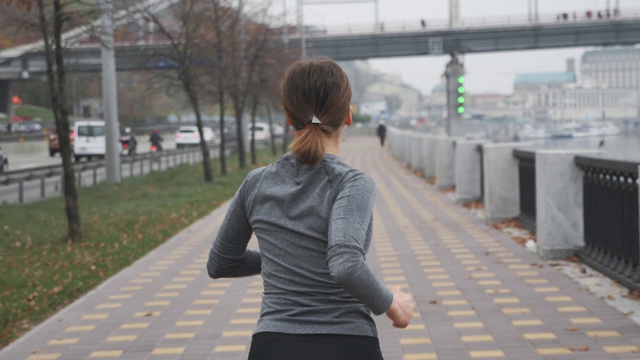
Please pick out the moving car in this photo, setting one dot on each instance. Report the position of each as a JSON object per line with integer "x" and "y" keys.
{"x": 54, "y": 144}
{"x": 4, "y": 162}
{"x": 261, "y": 134}
{"x": 189, "y": 136}
{"x": 90, "y": 139}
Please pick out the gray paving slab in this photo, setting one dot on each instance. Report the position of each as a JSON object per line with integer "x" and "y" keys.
{"x": 480, "y": 295}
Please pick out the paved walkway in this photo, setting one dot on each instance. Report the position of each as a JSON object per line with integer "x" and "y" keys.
{"x": 479, "y": 294}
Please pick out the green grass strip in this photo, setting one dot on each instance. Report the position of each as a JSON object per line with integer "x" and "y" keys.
{"x": 41, "y": 273}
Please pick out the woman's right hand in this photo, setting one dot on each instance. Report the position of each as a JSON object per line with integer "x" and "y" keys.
{"x": 401, "y": 310}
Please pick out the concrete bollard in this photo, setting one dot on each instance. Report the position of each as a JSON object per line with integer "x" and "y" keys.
{"x": 501, "y": 183}
{"x": 429, "y": 155}
{"x": 445, "y": 162}
{"x": 559, "y": 203}
{"x": 468, "y": 170}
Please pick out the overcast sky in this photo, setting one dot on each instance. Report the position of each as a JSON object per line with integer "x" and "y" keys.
{"x": 486, "y": 72}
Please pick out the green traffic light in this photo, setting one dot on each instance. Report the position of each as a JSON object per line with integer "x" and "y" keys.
{"x": 460, "y": 109}
{"x": 461, "y": 90}
{"x": 460, "y": 99}
{"x": 461, "y": 79}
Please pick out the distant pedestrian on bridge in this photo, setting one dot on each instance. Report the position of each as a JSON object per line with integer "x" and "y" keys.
{"x": 423, "y": 23}
{"x": 381, "y": 132}
{"x": 313, "y": 217}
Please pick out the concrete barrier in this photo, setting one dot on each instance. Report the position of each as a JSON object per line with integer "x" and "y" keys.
{"x": 27, "y": 147}
{"x": 429, "y": 155}
{"x": 445, "y": 162}
{"x": 468, "y": 170}
{"x": 501, "y": 182}
{"x": 559, "y": 203}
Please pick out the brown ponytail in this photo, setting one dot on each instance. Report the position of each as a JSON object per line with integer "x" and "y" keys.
{"x": 315, "y": 87}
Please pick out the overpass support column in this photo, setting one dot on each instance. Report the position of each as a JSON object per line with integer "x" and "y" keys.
{"x": 5, "y": 96}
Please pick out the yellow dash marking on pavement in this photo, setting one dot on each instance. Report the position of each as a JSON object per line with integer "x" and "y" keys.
{"x": 237, "y": 333}
{"x": 426, "y": 257}
{"x": 547, "y": 289}
{"x": 101, "y": 354}
{"x": 179, "y": 335}
{"x": 80, "y": 328}
{"x": 464, "y": 256}
{"x": 194, "y": 266}
{"x": 415, "y": 327}
{"x": 175, "y": 286}
{"x": 388, "y": 258}
{"x": 430, "y": 263}
{"x": 167, "y": 351}
{"x": 217, "y": 284}
{"x": 95, "y": 317}
{"x": 130, "y": 288}
{"x": 571, "y": 309}
{"x": 461, "y": 313}
{"x": 469, "y": 262}
{"x": 68, "y": 341}
{"x": 539, "y": 336}
{"x": 243, "y": 321}
{"x": 198, "y": 312}
{"x": 255, "y": 291}
{"x": 190, "y": 272}
{"x": 135, "y": 326}
{"x": 610, "y": 333}
{"x": 140, "y": 281}
{"x": 497, "y": 291}
{"x": 489, "y": 282}
{"x": 230, "y": 348}
{"x": 476, "y": 338}
{"x": 519, "y": 266}
{"x": 554, "y": 351}
{"x": 212, "y": 292}
{"x": 169, "y": 294}
{"x": 201, "y": 261}
{"x": 173, "y": 257}
{"x": 183, "y": 278}
{"x": 206, "y": 301}
{"x": 433, "y": 270}
{"x": 527, "y": 273}
{"x": 448, "y": 293}
{"x": 486, "y": 353}
{"x": 526, "y": 322}
{"x": 388, "y": 265}
{"x": 252, "y": 300}
{"x": 504, "y": 254}
{"x": 468, "y": 325}
{"x": 157, "y": 303}
{"x": 415, "y": 341}
{"x": 593, "y": 320}
{"x": 158, "y": 268}
{"x": 420, "y": 356}
{"x": 516, "y": 310}
{"x": 190, "y": 323}
{"x": 109, "y": 306}
{"x": 558, "y": 298}
{"x": 482, "y": 275}
{"x": 516, "y": 260}
{"x": 394, "y": 278}
{"x": 49, "y": 356}
{"x": 146, "y": 314}
{"x": 438, "y": 277}
{"x": 536, "y": 281}
{"x": 251, "y": 310}
{"x": 392, "y": 271}
{"x": 441, "y": 284}
{"x": 423, "y": 251}
{"x": 454, "y": 302}
{"x": 621, "y": 349}
{"x": 122, "y": 338}
{"x": 476, "y": 268}
{"x": 120, "y": 297}
{"x": 150, "y": 273}
{"x": 511, "y": 300}
{"x": 460, "y": 250}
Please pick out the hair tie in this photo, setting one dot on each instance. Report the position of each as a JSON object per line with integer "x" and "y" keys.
{"x": 314, "y": 120}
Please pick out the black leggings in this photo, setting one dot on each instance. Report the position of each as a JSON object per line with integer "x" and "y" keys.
{"x": 280, "y": 346}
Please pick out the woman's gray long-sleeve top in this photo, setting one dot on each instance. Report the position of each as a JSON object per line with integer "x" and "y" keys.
{"x": 314, "y": 227}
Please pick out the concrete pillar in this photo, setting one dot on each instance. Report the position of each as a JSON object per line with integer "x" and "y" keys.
{"x": 429, "y": 155}
{"x": 416, "y": 152}
{"x": 445, "y": 162}
{"x": 501, "y": 183}
{"x": 5, "y": 96}
{"x": 559, "y": 209}
{"x": 468, "y": 170}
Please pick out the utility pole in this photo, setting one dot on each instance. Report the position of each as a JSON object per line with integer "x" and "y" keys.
{"x": 303, "y": 40}
{"x": 454, "y": 74}
{"x": 454, "y": 13}
{"x": 109, "y": 93}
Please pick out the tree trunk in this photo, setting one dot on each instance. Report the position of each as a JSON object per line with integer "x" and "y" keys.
{"x": 273, "y": 138}
{"x": 254, "y": 108}
{"x": 204, "y": 147}
{"x": 242, "y": 161}
{"x": 223, "y": 141}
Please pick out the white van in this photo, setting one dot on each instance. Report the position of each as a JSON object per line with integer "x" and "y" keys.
{"x": 90, "y": 139}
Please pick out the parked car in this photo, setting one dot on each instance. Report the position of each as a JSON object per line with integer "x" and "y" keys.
{"x": 54, "y": 144}
{"x": 4, "y": 162}
{"x": 189, "y": 136}
{"x": 90, "y": 139}
{"x": 261, "y": 134}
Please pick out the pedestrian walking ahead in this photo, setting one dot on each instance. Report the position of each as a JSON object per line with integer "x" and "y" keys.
{"x": 312, "y": 215}
{"x": 382, "y": 132}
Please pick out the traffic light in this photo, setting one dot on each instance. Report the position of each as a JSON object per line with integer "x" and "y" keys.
{"x": 15, "y": 100}
{"x": 461, "y": 105}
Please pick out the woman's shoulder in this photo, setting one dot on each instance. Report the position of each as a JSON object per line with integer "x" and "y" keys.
{"x": 347, "y": 174}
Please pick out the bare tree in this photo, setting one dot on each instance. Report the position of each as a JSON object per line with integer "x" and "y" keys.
{"x": 182, "y": 30}
{"x": 50, "y": 19}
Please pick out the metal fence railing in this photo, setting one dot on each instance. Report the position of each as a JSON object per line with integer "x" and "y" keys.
{"x": 527, "y": 179}
{"x": 611, "y": 221}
